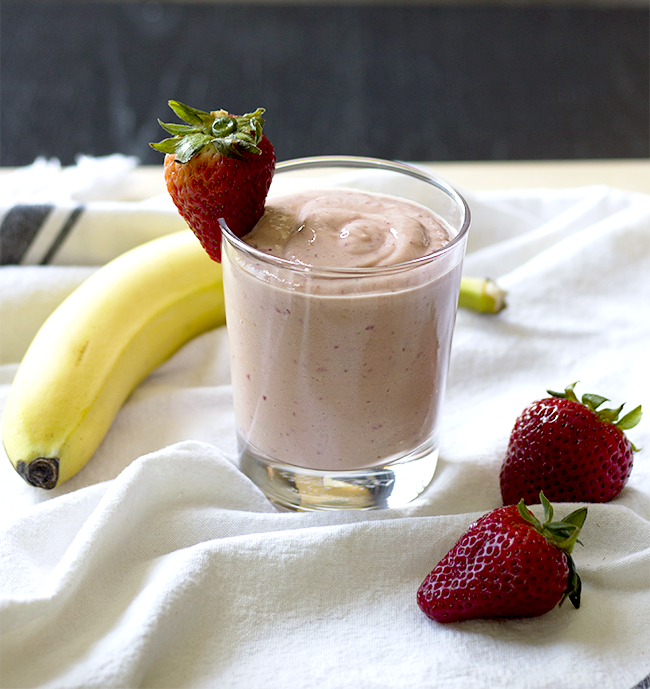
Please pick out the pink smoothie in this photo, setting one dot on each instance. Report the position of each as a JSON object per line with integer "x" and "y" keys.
{"x": 338, "y": 371}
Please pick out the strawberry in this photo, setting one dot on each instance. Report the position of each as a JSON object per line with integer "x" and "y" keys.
{"x": 569, "y": 448}
{"x": 218, "y": 168}
{"x": 507, "y": 564}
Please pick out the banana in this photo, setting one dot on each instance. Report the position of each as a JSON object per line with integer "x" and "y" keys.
{"x": 98, "y": 345}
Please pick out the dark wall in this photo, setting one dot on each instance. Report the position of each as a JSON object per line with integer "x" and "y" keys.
{"x": 406, "y": 82}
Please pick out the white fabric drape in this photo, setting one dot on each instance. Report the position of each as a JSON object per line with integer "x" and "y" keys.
{"x": 161, "y": 565}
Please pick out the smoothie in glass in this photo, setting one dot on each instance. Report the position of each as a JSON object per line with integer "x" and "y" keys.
{"x": 340, "y": 309}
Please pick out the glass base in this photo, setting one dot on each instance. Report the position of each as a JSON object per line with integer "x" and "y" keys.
{"x": 294, "y": 488}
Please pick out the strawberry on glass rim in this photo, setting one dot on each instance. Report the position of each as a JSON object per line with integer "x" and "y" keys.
{"x": 218, "y": 169}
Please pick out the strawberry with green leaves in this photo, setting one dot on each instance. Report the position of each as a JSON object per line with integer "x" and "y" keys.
{"x": 573, "y": 450}
{"x": 218, "y": 168}
{"x": 508, "y": 564}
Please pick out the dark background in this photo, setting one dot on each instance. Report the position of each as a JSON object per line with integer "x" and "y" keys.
{"x": 421, "y": 82}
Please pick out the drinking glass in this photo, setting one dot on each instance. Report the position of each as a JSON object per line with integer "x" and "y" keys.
{"x": 338, "y": 374}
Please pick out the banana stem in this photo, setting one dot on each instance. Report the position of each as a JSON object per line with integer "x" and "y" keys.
{"x": 481, "y": 294}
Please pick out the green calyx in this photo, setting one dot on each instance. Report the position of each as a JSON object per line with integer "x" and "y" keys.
{"x": 229, "y": 135}
{"x": 563, "y": 535}
{"x": 593, "y": 402}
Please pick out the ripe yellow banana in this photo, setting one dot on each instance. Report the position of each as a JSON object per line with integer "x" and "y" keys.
{"x": 98, "y": 345}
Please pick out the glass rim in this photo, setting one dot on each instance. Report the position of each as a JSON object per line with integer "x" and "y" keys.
{"x": 352, "y": 162}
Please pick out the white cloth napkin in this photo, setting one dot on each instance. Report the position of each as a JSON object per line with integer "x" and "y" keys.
{"x": 161, "y": 565}
{"x": 50, "y": 215}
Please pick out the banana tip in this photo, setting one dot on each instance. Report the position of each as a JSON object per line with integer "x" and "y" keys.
{"x": 42, "y": 472}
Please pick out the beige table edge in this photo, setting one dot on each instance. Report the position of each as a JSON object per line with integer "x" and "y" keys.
{"x": 630, "y": 175}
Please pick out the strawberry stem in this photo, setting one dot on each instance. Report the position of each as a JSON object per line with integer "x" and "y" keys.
{"x": 223, "y": 126}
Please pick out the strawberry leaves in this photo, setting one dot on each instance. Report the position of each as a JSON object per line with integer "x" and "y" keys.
{"x": 229, "y": 135}
{"x": 593, "y": 402}
{"x": 563, "y": 535}
{"x": 630, "y": 420}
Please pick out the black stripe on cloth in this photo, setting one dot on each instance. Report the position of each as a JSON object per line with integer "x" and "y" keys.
{"x": 63, "y": 233}
{"x": 643, "y": 684}
{"x": 19, "y": 229}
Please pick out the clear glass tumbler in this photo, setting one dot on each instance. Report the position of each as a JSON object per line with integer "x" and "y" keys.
{"x": 338, "y": 374}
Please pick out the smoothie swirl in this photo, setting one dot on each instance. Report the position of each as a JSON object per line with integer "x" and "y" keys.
{"x": 346, "y": 229}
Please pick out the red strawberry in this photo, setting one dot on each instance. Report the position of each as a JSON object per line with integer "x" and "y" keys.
{"x": 568, "y": 448}
{"x": 218, "y": 167}
{"x": 507, "y": 564}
